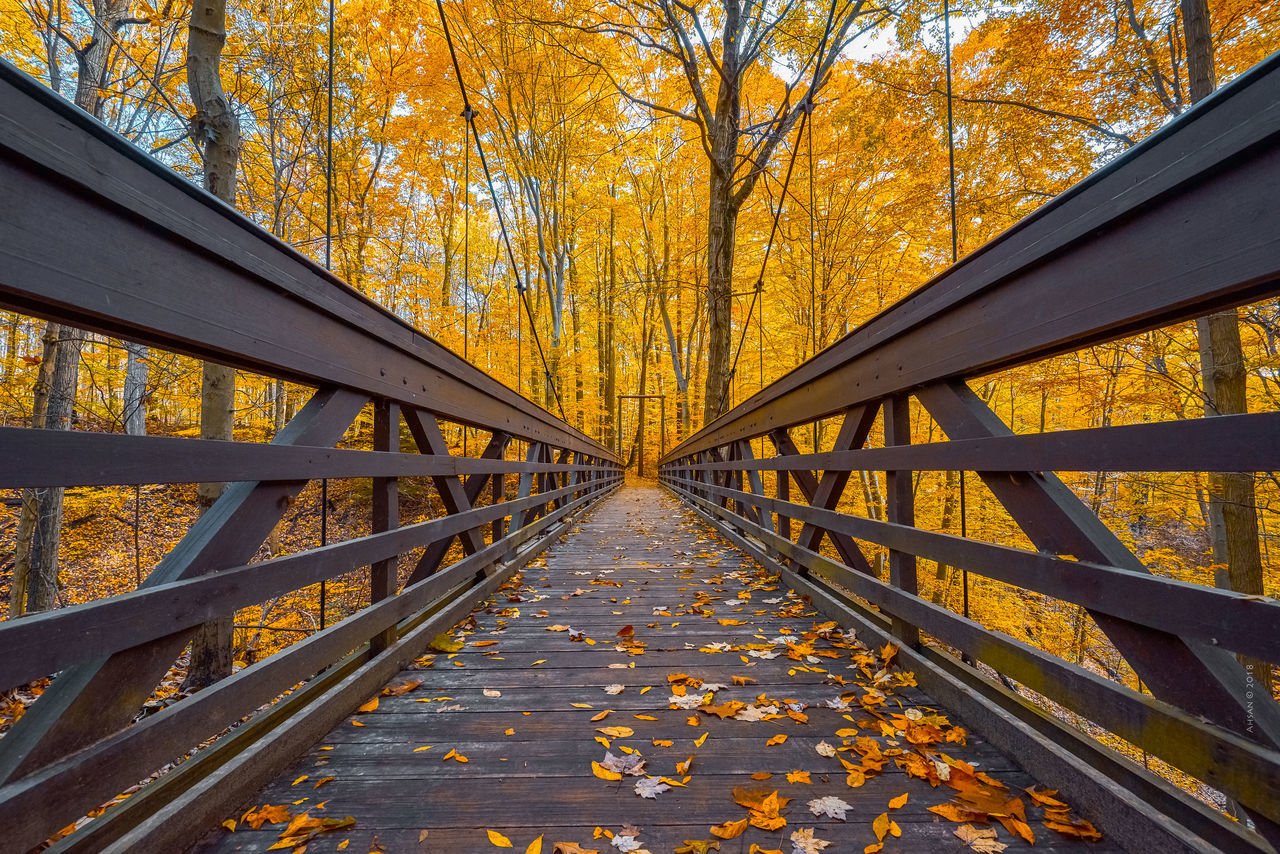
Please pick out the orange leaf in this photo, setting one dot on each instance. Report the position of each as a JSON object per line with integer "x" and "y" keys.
{"x": 368, "y": 707}
{"x": 730, "y": 829}
{"x": 899, "y": 802}
{"x": 498, "y": 839}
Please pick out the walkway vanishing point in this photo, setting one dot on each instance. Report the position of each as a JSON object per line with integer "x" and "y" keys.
{"x": 1182, "y": 225}
{"x": 579, "y": 661}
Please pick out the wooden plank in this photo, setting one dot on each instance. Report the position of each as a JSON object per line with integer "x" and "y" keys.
{"x": 1223, "y": 443}
{"x": 37, "y": 458}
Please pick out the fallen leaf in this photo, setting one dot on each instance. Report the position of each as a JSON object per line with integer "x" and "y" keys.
{"x": 829, "y": 806}
{"x": 510, "y": 731}
{"x": 604, "y": 773}
{"x": 1074, "y": 827}
{"x": 535, "y": 847}
{"x": 230, "y": 824}
{"x": 498, "y": 839}
{"x": 492, "y": 692}
{"x": 730, "y": 829}
{"x": 798, "y": 777}
{"x": 698, "y": 846}
{"x": 651, "y": 787}
{"x": 572, "y": 848}
{"x": 701, "y": 740}
{"x": 805, "y": 842}
{"x": 825, "y": 749}
{"x": 602, "y": 715}
{"x": 899, "y": 802}
{"x": 880, "y": 827}
{"x": 614, "y": 689}
{"x": 761, "y": 775}
{"x": 780, "y": 738}
{"x": 632, "y": 765}
{"x": 644, "y": 717}
{"x": 617, "y": 731}
{"x": 322, "y": 781}
{"x": 981, "y": 840}
{"x": 422, "y": 836}
{"x": 444, "y": 643}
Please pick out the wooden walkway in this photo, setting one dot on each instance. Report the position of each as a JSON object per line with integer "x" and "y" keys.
{"x": 523, "y": 700}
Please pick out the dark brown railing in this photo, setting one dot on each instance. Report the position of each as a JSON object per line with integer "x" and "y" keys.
{"x": 95, "y": 234}
{"x": 1185, "y": 224}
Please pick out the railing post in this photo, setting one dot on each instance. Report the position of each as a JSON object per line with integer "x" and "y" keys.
{"x": 783, "y": 492}
{"x": 900, "y": 504}
{"x": 383, "y": 574}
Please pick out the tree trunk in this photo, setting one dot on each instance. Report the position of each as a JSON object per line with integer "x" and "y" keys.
{"x": 722, "y": 220}
{"x": 135, "y": 390}
{"x": 215, "y": 126}
{"x": 42, "y": 584}
{"x": 1231, "y": 494}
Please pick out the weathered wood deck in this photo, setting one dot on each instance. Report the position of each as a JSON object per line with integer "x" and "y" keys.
{"x": 518, "y": 702}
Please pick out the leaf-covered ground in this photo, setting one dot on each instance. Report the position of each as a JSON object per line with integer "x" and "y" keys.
{"x": 649, "y": 689}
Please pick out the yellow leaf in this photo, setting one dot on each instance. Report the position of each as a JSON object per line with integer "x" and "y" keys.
{"x": 300, "y": 779}
{"x": 582, "y": 705}
{"x": 645, "y": 717}
{"x": 539, "y": 661}
{"x": 535, "y": 847}
{"x": 356, "y": 723}
{"x": 880, "y": 826}
{"x": 604, "y": 773}
{"x": 322, "y": 781}
{"x": 617, "y": 731}
{"x": 444, "y": 643}
{"x": 498, "y": 839}
{"x": 899, "y": 802}
{"x": 602, "y": 715}
{"x": 662, "y": 742}
{"x": 798, "y": 777}
{"x": 701, "y": 740}
{"x": 776, "y": 740}
{"x": 420, "y": 749}
{"x": 646, "y": 689}
{"x": 422, "y": 836}
{"x": 730, "y": 829}
{"x": 452, "y": 753}
{"x": 510, "y": 731}
{"x": 230, "y": 824}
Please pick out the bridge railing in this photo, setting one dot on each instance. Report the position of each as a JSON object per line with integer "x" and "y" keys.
{"x": 96, "y": 235}
{"x": 1185, "y": 224}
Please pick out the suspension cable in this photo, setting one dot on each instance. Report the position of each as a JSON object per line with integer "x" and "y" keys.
{"x": 955, "y": 252}
{"x": 521, "y": 287}
{"x": 328, "y": 265}
{"x": 768, "y": 249}
{"x": 807, "y": 107}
